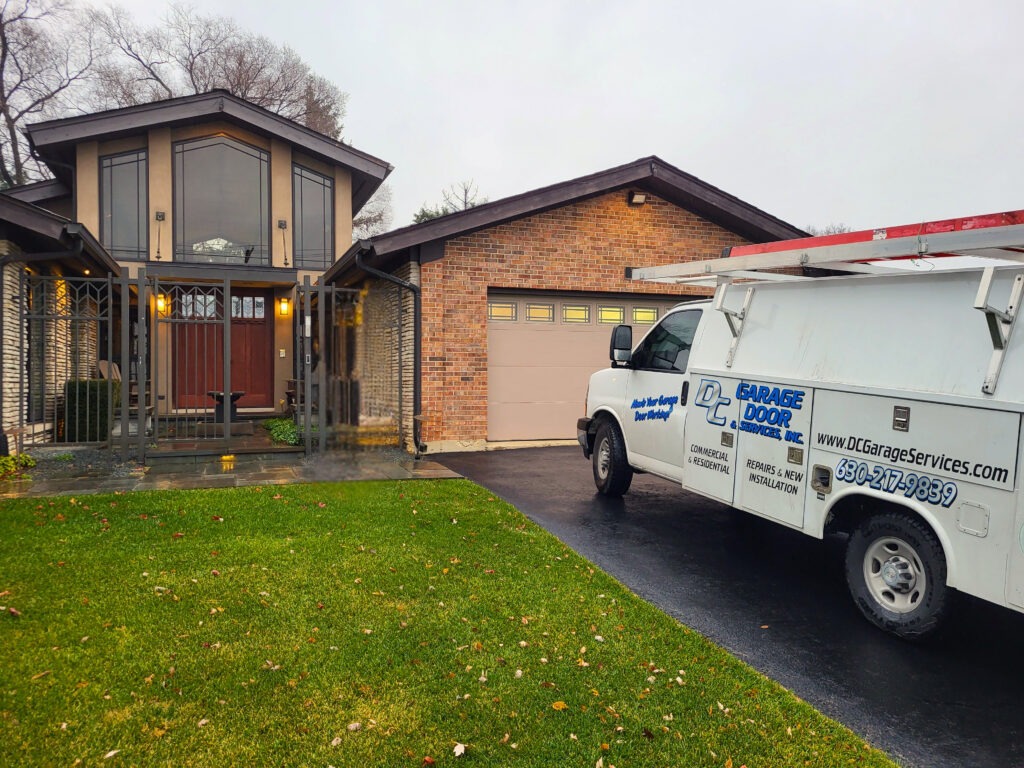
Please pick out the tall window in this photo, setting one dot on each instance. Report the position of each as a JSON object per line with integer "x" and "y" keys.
{"x": 221, "y": 202}
{"x": 123, "y": 194}
{"x": 313, "y": 215}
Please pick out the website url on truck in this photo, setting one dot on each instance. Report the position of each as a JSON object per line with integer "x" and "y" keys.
{"x": 935, "y": 461}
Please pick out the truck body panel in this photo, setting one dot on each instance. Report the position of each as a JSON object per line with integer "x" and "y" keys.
{"x": 839, "y": 396}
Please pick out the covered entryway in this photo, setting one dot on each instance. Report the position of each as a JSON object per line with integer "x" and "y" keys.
{"x": 542, "y": 349}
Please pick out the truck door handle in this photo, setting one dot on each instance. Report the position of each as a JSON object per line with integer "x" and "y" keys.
{"x": 684, "y": 393}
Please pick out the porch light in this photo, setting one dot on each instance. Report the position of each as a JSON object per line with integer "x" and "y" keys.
{"x": 162, "y": 304}
{"x": 283, "y": 306}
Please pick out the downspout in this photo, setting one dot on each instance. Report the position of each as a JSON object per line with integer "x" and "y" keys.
{"x": 417, "y": 389}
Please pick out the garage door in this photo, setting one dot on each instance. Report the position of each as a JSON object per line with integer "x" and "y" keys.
{"x": 540, "y": 355}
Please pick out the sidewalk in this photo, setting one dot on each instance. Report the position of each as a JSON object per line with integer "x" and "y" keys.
{"x": 214, "y": 472}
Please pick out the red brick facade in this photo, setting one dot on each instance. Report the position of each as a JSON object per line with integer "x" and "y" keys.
{"x": 584, "y": 246}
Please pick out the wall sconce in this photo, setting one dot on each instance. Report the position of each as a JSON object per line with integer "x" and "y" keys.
{"x": 283, "y": 306}
{"x": 163, "y": 304}
{"x": 636, "y": 198}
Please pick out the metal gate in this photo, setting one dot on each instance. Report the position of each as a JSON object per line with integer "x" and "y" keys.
{"x": 195, "y": 391}
{"x": 149, "y": 365}
{"x": 324, "y": 397}
{"x": 69, "y": 384}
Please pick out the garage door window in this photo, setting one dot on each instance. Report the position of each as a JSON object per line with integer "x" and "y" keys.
{"x": 502, "y": 310}
{"x": 611, "y": 315}
{"x": 575, "y": 313}
{"x": 645, "y": 315}
{"x": 540, "y": 313}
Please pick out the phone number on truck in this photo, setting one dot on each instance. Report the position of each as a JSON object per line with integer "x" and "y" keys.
{"x": 932, "y": 490}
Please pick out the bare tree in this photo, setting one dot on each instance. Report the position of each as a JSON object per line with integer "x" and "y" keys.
{"x": 456, "y": 197}
{"x": 40, "y": 63}
{"x": 462, "y": 196}
{"x": 375, "y": 217}
{"x": 828, "y": 229}
{"x": 191, "y": 53}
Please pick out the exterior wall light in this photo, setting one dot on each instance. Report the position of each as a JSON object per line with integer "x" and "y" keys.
{"x": 163, "y": 304}
{"x": 636, "y": 198}
{"x": 283, "y": 306}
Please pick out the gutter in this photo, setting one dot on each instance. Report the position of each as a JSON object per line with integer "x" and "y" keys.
{"x": 366, "y": 247}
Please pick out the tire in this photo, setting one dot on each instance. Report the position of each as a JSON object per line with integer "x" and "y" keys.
{"x": 896, "y": 572}
{"x": 612, "y": 473}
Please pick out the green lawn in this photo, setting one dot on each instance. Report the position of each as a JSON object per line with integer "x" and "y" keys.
{"x": 361, "y": 624}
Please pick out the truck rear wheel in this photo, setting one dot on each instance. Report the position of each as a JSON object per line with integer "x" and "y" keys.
{"x": 612, "y": 473}
{"x": 896, "y": 572}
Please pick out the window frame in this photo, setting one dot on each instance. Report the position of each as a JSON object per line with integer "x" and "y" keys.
{"x": 106, "y": 163}
{"x": 262, "y": 156}
{"x": 329, "y": 255}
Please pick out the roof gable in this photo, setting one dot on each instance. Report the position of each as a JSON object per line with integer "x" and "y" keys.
{"x": 54, "y": 140}
{"x": 648, "y": 173}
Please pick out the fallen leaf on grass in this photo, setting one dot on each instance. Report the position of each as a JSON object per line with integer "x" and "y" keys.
{"x": 428, "y": 760}
{"x": 202, "y": 722}
{"x": 460, "y": 749}
{"x": 111, "y": 753}
{"x": 177, "y": 535}
{"x": 14, "y": 612}
{"x": 558, "y": 706}
{"x": 353, "y": 727}
{"x": 40, "y": 674}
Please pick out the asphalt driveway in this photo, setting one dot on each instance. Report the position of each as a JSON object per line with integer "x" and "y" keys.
{"x": 777, "y": 599}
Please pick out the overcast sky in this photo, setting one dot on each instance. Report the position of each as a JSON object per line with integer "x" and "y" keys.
{"x": 869, "y": 113}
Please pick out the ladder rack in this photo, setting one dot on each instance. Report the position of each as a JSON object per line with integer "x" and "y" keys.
{"x": 999, "y": 236}
{"x": 994, "y": 236}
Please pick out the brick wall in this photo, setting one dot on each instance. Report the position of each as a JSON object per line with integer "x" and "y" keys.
{"x": 580, "y": 247}
{"x": 10, "y": 340}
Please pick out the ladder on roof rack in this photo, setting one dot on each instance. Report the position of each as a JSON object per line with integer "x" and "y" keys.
{"x": 998, "y": 236}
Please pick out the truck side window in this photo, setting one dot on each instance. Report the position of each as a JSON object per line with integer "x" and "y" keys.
{"x": 667, "y": 346}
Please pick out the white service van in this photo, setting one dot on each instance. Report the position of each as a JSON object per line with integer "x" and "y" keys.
{"x": 886, "y": 405}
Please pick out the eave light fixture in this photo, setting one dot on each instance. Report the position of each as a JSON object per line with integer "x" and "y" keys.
{"x": 636, "y": 198}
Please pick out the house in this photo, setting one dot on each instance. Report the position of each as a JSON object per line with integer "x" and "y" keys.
{"x": 481, "y": 328}
{"x": 215, "y": 216}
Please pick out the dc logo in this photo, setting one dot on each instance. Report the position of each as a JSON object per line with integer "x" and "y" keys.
{"x": 709, "y": 397}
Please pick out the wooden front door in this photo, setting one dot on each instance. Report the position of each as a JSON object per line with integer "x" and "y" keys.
{"x": 252, "y": 342}
{"x": 199, "y": 348}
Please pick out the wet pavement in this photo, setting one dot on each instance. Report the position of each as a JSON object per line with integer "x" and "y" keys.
{"x": 777, "y": 599}
{"x": 105, "y": 476}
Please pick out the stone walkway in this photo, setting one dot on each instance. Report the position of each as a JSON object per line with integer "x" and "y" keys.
{"x": 213, "y": 472}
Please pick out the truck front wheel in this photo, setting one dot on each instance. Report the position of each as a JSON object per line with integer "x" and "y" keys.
{"x": 896, "y": 572}
{"x": 612, "y": 473}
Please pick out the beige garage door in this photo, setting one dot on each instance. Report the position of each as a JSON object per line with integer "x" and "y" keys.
{"x": 541, "y": 352}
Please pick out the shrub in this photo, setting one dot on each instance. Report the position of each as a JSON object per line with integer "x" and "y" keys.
{"x": 15, "y": 464}
{"x": 85, "y": 417}
{"x": 282, "y": 431}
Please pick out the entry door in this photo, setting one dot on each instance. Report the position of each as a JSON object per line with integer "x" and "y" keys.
{"x": 655, "y": 395}
{"x": 199, "y": 347}
{"x": 252, "y": 339}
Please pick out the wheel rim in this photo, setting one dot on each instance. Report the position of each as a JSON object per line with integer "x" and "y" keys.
{"x": 604, "y": 459}
{"x": 894, "y": 575}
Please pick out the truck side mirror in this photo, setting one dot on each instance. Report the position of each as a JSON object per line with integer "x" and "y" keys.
{"x": 621, "y": 348}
